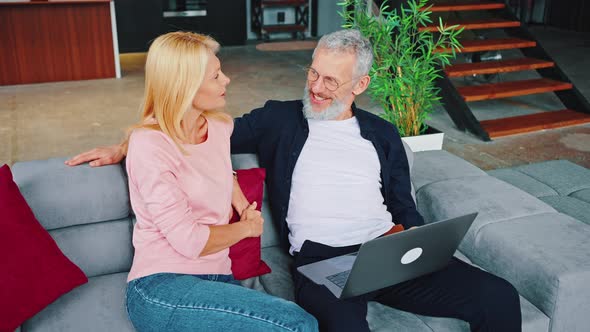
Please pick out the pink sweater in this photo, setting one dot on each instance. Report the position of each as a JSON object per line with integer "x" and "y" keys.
{"x": 175, "y": 198}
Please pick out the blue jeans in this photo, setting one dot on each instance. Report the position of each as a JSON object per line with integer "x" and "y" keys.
{"x": 181, "y": 302}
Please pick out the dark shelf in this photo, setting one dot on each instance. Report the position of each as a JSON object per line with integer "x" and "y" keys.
{"x": 284, "y": 28}
{"x": 283, "y": 3}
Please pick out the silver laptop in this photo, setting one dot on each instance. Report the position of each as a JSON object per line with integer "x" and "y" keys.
{"x": 389, "y": 260}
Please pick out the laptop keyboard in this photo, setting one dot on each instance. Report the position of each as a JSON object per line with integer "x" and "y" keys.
{"x": 339, "y": 279}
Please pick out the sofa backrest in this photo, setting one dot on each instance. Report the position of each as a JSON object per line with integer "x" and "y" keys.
{"x": 86, "y": 210}
{"x": 410, "y": 156}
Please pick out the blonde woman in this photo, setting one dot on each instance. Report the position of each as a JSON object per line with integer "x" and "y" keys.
{"x": 180, "y": 185}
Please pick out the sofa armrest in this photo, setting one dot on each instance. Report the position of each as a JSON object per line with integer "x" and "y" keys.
{"x": 547, "y": 258}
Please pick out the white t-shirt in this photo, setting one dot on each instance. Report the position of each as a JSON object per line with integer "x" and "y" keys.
{"x": 335, "y": 193}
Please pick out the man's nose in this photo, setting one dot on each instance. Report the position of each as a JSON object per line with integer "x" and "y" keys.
{"x": 317, "y": 85}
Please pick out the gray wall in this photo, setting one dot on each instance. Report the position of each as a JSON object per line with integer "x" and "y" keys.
{"x": 329, "y": 19}
{"x": 537, "y": 16}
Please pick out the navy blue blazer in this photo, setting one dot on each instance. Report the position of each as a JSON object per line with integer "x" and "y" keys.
{"x": 277, "y": 133}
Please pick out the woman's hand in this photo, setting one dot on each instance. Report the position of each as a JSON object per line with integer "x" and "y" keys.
{"x": 101, "y": 156}
{"x": 225, "y": 236}
{"x": 238, "y": 199}
{"x": 253, "y": 220}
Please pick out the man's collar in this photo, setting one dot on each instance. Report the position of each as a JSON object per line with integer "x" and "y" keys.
{"x": 362, "y": 118}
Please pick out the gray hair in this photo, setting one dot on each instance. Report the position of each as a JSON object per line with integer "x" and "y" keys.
{"x": 349, "y": 41}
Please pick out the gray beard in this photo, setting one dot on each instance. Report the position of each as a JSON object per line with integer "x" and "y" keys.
{"x": 330, "y": 113}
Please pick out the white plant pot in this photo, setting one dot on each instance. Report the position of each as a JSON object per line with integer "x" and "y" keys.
{"x": 425, "y": 142}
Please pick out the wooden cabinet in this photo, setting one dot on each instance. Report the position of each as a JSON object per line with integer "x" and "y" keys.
{"x": 57, "y": 41}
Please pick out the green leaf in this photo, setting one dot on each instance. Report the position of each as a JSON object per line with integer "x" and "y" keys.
{"x": 405, "y": 68}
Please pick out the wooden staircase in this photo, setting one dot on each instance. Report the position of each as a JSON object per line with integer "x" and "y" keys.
{"x": 553, "y": 79}
{"x": 476, "y": 24}
{"x": 495, "y": 67}
{"x": 511, "y": 89}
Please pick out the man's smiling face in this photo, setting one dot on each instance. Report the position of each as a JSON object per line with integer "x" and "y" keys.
{"x": 334, "y": 71}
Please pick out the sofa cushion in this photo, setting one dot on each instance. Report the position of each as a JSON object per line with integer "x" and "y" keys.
{"x": 571, "y": 206}
{"x": 99, "y": 248}
{"x": 495, "y": 200}
{"x": 253, "y": 283}
{"x": 523, "y": 181}
{"x": 563, "y": 176}
{"x": 562, "y": 184}
{"x": 533, "y": 319}
{"x": 100, "y": 193}
{"x": 382, "y": 318}
{"x": 245, "y": 255}
{"x": 583, "y": 195}
{"x": 279, "y": 282}
{"x": 547, "y": 258}
{"x": 433, "y": 166}
{"x": 95, "y": 307}
{"x": 34, "y": 270}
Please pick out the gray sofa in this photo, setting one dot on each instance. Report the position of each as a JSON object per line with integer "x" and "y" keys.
{"x": 544, "y": 253}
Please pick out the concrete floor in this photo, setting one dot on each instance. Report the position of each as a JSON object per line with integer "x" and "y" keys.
{"x": 61, "y": 119}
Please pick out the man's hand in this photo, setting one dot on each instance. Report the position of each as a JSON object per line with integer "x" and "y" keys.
{"x": 253, "y": 219}
{"x": 101, "y": 156}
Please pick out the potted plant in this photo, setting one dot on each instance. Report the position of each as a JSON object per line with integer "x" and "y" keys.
{"x": 406, "y": 64}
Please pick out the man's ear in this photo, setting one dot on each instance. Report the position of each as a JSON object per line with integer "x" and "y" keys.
{"x": 361, "y": 85}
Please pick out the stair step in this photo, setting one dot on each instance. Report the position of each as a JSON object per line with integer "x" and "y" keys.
{"x": 283, "y": 28}
{"x": 465, "y": 6}
{"x": 495, "y": 23}
{"x": 481, "y": 45}
{"x": 494, "y": 67}
{"x": 283, "y": 3}
{"x": 534, "y": 122}
{"x": 511, "y": 89}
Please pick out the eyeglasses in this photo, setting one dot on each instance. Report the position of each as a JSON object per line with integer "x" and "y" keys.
{"x": 329, "y": 82}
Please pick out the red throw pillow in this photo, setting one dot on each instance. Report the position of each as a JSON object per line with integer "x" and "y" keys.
{"x": 34, "y": 271}
{"x": 245, "y": 255}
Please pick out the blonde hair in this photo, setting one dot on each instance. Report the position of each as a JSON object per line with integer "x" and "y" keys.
{"x": 174, "y": 71}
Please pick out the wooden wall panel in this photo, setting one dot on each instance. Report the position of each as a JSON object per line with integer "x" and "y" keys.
{"x": 48, "y": 42}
